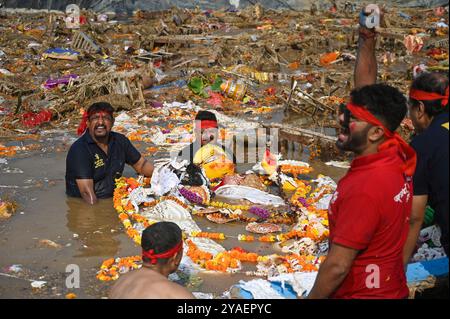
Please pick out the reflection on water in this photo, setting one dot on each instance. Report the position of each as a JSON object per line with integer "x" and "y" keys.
{"x": 93, "y": 224}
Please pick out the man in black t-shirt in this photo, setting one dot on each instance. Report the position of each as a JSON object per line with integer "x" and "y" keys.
{"x": 428, "y": 110}
{"x": 99, "y": 156}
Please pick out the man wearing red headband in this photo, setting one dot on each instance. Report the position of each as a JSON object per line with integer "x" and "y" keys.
{"x": 428, "y": 111}
{"x": 162, "y": 250}
{"x": 206, "y": 130}
{"x": 369, "y": 211}
{"x": 98, "y": 157}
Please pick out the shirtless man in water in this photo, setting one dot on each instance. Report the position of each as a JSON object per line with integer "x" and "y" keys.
{"x": 162, "y": 250}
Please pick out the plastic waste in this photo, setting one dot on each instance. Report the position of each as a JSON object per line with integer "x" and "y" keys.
{"x": 404, "y": 15}
{"x": 60, "y": 53}
{"x": 328, "y": 58}
{"x": 413, "y": 43}
{"x": 31, "y": 119}
{"x": 370, "y": 16}
{"x": 38, "y": 284}
{"x": 235, "y": 90}
{"x": 73, "y": 16}
{"x": 64, "y": 80}
{"x": 418, "y": 69}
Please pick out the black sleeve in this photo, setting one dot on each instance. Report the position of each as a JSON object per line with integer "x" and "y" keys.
{"x": 420, "y": 180}
{"x": 187, "y": 153}
{"x": 132, "y": 155}
{"x": 79, "y": 162}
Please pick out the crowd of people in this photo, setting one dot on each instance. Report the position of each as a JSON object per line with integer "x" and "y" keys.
{"x": 375, "y": 214}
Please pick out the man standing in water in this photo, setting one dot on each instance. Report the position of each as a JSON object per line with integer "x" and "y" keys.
{"x": 206, "y": 131}
{"x": 162, "y": 250}
{"x": 99, "y": 156}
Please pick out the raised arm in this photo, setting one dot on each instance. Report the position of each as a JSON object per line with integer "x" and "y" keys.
{"x": 366, "y": 62}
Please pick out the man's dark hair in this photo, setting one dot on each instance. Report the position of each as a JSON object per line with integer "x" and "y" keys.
{"x": 101, "y": 106}
{"x": 205, "y": 116}
{"x": 160, "y": 237}
{"x": 432, "y": 82}
{"x": 383, "y": 101}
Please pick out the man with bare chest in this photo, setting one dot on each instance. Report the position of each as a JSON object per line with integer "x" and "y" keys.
{"x": 162, "y": 250}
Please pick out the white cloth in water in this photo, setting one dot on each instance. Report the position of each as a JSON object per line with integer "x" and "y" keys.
{"x": 164, "y": 179}
{"x": 301, "y": 282}
{"x": 202, "y": 295}
{"x": 325, "y": 181}
{"x": 157, "y": 137}
{"x": 260, "y": 289}
{"x": 208, "y": 245}
{"x": 428, "y": 253}
{"x": 432, "y": 232}
{"x": 293, "y": 163}
{"x": 324, "y": 202}
{"x": 178, "y": 105}
{"x": 337, "y": 164}
{"x": 238, "y": 192}
{"x": 138, "y": 196}
{"x": 168, "y": 210}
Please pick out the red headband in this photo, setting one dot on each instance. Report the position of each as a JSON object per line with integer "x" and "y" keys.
{"x": 429, "y": 96}
{"x": 205, "y": 124}
{"x": 83, "y": 124}
{"x": 393, "y": 138}
{"x": 150, "y": 254}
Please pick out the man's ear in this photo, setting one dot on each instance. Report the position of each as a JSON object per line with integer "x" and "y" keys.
{"x": 176, "y": 260}
{"x": 420, "y": 110}
{"x": 375, "y": 134}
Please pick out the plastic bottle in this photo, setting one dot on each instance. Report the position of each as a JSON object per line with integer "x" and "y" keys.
{"x": 234, "y": 90}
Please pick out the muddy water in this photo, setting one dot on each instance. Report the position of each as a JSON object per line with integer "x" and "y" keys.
{"x": 85, "y": 235}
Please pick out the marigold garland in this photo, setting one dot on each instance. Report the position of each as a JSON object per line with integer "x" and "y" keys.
{"x": 111, "y": 268}
{"x": 295, "y": 170}
{"x": 228, "y": 260}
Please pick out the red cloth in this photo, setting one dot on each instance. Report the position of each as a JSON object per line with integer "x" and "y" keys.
{"x": 150, "y": 254}
{"x": 392, "y": 138}
{"x": 429, "y": 96}
{"x": 31, "y": 119}
{"x": 83, "y": 123}
{"x": 370, "y": 212}
{"x": 205, "y": 124}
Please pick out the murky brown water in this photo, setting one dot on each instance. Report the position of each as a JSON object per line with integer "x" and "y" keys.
{"x": 87, "y": 235}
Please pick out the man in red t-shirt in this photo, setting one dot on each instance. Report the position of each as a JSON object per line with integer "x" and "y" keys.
{"x": 369, "y": 212}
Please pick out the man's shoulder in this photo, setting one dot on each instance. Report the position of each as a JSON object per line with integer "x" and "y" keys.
{"x": 433, "y": 138}
{"x": 174, "y": 290}
{"x": 119, "y": 137}
{"x": 369, "y": 182}
{"x": 80, "y": 144}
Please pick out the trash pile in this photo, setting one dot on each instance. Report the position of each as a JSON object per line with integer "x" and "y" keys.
{"x": 252, "y": 62}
